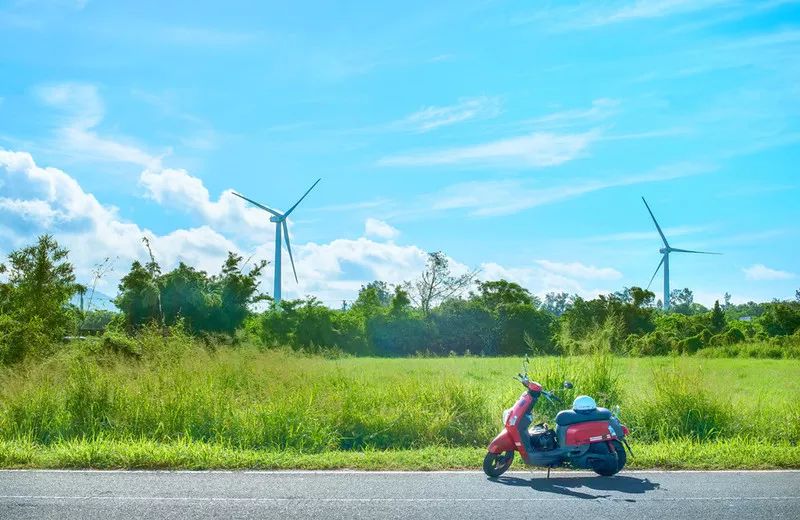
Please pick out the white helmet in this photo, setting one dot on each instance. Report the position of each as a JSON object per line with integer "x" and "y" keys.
{"x": 584, "y": 403}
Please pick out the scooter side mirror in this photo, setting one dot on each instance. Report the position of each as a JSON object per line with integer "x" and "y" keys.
{"x": 567, "y": 384}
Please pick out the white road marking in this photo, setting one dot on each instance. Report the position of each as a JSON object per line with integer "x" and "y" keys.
{"x": 390, "y": 499}
{"x": 632, "y": 472}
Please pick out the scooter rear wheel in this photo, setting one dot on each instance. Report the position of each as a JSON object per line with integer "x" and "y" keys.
{"x": 495, "y": 464}
{"x": 622, "y": 456}
{"x": 607, "y": 462}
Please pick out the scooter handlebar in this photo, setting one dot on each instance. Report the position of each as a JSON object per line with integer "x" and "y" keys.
{"x": 551, "y": 396}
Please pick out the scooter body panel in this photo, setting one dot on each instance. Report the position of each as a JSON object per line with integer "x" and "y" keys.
{"x": 588, "y": 433}
{"x": 503, "y": 442}
{"x": 518, "y": 422}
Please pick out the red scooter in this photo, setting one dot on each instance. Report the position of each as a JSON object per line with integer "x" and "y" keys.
{"x": 588, "y": 438}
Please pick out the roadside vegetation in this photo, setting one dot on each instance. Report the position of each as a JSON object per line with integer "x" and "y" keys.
{"x": 190, "y": 375}
{"x": 438, "y": 314}
{"x": 203, "y": 408}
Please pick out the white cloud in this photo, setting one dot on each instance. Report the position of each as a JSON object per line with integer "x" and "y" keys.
{"x": 38, "y": 200}
{"x": 336, "y": 270}
{"x": 760, "y": 272}
{"x": 504, "y": 197}
{"x": 177, "y": 188}
{"x": 644, "y": 9}
{"x": 602, "y": 108}
{"x": 432, "y": 117}
{"x": 536, "y": 150}
{"x": 380, "y": 229}
{"x": 84, "y": 111}
{"x": 579, "y": 270}
{"x": 647, "y": 235}
{"x": 539, "y": 280}
{"x": 37, "y": 211}
{"x": 48, "y": 200}
{"x": 595, "y": 14}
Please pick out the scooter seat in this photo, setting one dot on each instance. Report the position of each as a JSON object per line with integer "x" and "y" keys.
{"x": 567, "y": 417}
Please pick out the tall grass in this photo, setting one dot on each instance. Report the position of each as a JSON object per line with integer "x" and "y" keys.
{"x": 683, "y": 406}
{"x": 246, "y": 399}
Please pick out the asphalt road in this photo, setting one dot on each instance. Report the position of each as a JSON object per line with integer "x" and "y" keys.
{"x": 66, "y": 495}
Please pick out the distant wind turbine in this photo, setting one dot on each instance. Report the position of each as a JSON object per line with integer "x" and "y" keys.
{"x": 665, "y": 251}
{"x": 280, "y": 222}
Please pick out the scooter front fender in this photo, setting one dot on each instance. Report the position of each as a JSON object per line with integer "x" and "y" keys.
{"x": 503, "y": 442}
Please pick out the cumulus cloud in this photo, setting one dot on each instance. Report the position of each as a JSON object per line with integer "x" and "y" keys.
{"x": 380, "y": 229}
{"x": 539, "y": 280}
{"x": 48, "y": 200}
{"x": 579, "y": 270}
{"x": 177, "y": 188}
{"x": 35, "y": 199}
{"x": 760, "y": 272}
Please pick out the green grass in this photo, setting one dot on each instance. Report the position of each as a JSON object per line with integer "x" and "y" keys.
{"x": 200, "y": 456}
{"x": 276, "y": 409}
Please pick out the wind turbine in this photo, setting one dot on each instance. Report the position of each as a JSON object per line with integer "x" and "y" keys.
{"x": 280, "y": 222}
{"x": 665, "y": 251}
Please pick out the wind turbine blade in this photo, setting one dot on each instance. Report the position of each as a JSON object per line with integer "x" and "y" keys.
{"x": 289, "y": 248}
{"x": 690, "y": 251}
{"x": 654, "y": 274}
{"x": 656, "y": 223}
{"x": 301, "y": 198}
{"x": 257, "y": 204}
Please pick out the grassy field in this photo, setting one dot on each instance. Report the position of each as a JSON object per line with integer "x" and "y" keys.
{"x": 249, "y": 409}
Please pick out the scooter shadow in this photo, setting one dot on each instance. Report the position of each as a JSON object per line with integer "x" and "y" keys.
{"x": 568, "y": 485}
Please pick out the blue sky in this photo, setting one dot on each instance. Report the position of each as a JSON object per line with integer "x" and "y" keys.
{"x": 518, "y": 137}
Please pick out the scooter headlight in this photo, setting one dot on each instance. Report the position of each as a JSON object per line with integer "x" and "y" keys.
{"x": 506, "y": 413}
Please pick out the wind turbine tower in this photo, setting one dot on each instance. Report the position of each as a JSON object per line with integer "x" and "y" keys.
{"x": 280, "y": 226}
{"x": 665, "y": 251}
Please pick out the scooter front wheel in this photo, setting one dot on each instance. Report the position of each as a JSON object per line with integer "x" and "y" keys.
{"x": 495, "y": 464}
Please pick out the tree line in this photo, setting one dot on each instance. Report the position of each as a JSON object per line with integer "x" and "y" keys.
{"x": 439, "y": 313}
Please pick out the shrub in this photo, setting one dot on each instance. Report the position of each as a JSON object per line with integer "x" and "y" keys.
{"x": 691, "y": 344}
{"x": 654, "y": 344}
{"x": 734, "y": 336}
{"x": 120, "y": 343}
{"x": 20, "y": 338}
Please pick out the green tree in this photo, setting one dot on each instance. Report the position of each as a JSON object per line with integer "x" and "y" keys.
{"x": 373, "y": 298}
{"x": 521, "y": 325}
{"x": 237, "y": 290}
{"x": 185, "y": 295}
{"x": 465, "y": 325}
{"x": 781, "y": 318}
{"x": 401, "y": 302}
{"x": 557, "y": 303}
{"x": 34, "y": 300}
{"x": 494, "y": 294}
{"x": 139, "y": 296}
{"x": 205, "y": 303}
{"x": 717, "y": 318}
{"x": 437, "y": 283}
{"x": 681, "y": 300}
{"x": 42, "y": 281}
